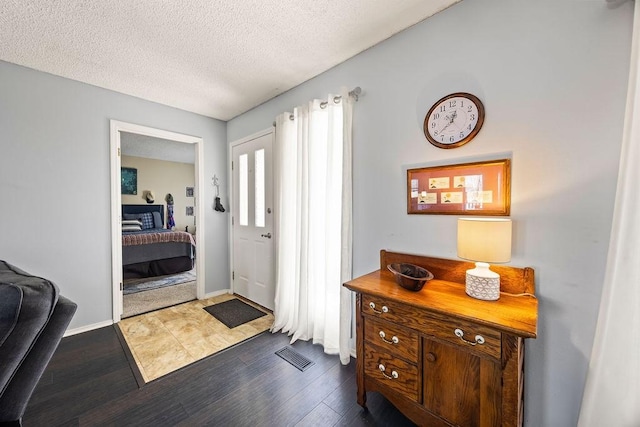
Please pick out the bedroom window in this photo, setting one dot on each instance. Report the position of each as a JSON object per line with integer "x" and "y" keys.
{"x": 244, "y": 189}
{"x": 259, "y": 182}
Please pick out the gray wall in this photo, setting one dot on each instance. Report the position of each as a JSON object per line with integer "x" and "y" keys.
{"x": 553, "y": 78}
{"x": 55, "y": 182}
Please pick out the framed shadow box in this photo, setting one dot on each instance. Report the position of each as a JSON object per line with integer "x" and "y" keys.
{"x": 480, "y": 188}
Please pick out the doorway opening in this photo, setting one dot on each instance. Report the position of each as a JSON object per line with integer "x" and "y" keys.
{"x": 153, "y": 140}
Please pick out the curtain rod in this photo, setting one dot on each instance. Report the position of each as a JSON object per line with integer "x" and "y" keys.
{"x": 355, "y": 93}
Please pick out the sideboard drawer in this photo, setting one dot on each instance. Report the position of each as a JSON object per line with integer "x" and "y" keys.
{"x": 392, "y": 372}
{"x": 477, "y": 339}
{"x": 489, "y": 344}
{"x": 392, "y": 338}
{"x": 391, "y": 311}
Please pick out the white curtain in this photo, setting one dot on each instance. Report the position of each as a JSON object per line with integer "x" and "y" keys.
{"x": 612, "y": 391}
{"x": 312, "y": 170}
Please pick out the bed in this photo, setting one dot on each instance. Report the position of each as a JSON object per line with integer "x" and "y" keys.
{"x": 148, "y": 249}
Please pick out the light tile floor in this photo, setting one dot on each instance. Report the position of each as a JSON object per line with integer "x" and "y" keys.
{"x": 168, "y": 339}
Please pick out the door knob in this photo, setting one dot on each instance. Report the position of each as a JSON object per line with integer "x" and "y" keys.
{"x": 268, "y": 235}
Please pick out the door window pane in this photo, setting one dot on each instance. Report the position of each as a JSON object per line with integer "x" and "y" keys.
{"x": 243, "y": 171}
{"x": 259, "y": 178}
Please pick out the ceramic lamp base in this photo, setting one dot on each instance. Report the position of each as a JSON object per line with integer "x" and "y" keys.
{"x": 482, "y": 283}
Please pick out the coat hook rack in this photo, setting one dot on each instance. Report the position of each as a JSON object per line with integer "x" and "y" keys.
{"x": 215, "y": 184}
{"x": 217, "y": 205}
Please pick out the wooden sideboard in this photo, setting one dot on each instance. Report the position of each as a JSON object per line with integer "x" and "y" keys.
{"x": 440, "y": 356}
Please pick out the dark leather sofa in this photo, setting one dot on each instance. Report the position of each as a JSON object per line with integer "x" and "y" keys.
{"x": 33, "y": 319}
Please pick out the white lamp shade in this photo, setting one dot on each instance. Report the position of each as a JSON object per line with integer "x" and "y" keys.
{"x": 484, "y": 239}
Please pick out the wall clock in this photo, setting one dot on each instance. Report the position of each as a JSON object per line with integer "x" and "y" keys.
{"x": 454, "y": 120}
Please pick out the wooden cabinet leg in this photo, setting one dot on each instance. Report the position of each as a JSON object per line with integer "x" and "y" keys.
{"x": 362, "y": 398}
{"x": 362, "y": 393}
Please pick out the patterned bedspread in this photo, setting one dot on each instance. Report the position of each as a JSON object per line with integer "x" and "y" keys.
{"x": 133, "y": 239}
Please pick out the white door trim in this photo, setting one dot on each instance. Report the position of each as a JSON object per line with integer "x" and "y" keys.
{"x": 116, "y": 200}
{"x": 263, "y": 132}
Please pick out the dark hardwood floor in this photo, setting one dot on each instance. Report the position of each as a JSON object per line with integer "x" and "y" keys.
{"x": 90, "y": 382}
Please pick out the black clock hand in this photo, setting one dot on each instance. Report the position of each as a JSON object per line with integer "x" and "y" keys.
{"x": 445, "y": 126}
{"x": 451, "y": 120}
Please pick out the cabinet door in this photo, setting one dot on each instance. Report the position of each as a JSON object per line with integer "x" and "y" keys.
{"x": 461, "y": 387}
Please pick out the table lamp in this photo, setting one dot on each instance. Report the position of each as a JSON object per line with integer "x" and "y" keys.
{"x": 484, "y": 240}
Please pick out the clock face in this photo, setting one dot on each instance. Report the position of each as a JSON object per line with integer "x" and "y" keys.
{"x": 454, "y": 120}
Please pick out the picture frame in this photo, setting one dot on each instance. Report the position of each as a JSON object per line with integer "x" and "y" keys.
{"x": 129, "y": 180}
{"x": 478, "y": 188}
{"x": 189, "y": 191}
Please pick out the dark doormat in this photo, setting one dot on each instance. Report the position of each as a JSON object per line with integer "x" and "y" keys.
{"x": 234, "y": 312}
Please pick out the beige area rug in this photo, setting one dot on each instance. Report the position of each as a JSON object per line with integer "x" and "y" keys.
{"x": 172, "y": 338}
{"x": 143, "y": 302}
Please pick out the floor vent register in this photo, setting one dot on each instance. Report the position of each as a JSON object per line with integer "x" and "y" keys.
{"x": 295, "y": 358}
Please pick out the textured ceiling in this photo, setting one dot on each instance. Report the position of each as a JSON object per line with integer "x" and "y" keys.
{"x": 150, "y": 147}
{"x": 218, "y": 58}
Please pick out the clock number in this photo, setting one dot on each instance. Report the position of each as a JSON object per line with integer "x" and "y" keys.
{"x": 469, "y": 108}
{"x": 436, "y": 116}
{"x": 443, "y": 108}
{"x": 472, "y": 116}
{"x": 470, "y": 127}
{"x": 461, "y": 135}
{"x": 433, "y": 124}
{"x": 452, "y": 103}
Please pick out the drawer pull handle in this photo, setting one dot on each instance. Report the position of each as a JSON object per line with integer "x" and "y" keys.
{"x": 394, "y": 339}
{"x": 394, "y": 374}
{"x": 385, "y": 309}
{"x": 479, "y": 339}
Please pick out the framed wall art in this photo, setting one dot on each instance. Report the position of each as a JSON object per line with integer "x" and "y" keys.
{"x": 480, "y": 188}
{"x": 129, "y": 179}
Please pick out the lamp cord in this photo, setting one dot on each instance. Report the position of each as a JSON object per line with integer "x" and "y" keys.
{"x": 520, "y": 295}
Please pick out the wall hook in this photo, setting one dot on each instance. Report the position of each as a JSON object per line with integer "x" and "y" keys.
{"x": 217, "y": 205}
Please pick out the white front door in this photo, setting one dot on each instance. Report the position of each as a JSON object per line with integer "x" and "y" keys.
{"x": 252, "y": 219}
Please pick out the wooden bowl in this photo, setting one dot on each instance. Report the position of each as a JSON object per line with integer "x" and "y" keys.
{"x": 409, "y": 276}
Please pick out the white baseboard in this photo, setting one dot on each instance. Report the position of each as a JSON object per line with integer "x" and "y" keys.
{"x": 87, "y": 328}
{"x": 217, "y": 293}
